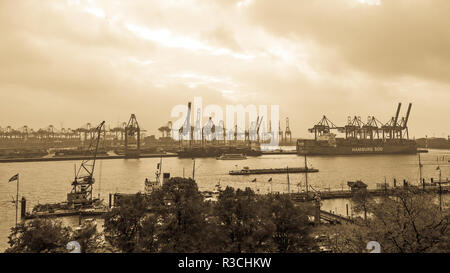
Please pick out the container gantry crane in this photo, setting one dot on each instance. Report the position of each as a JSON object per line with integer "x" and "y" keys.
{"x": 288, "y": 132}
{"x": 132, "y": 131}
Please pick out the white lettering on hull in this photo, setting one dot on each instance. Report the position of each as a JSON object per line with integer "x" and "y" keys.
{"x": 367, "y": 149}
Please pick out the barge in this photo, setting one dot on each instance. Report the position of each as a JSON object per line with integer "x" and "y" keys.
{"x": 248, "y": 171}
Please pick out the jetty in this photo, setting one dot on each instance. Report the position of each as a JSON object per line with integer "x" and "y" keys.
{"x": 347, "y": 194}
{"x": 72, "y": 158}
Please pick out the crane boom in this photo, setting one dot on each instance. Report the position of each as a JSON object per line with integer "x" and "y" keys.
{"x": 398, "y": 112}
{"x": 81, "y": 194}
{"x": 407, "y": 115}
{"x": 89, "y": 168}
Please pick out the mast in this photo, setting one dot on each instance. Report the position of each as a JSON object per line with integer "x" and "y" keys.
{"x": 289, "y": 184}
{"x": 306, "y": 175}
{"x": 158, "y": 173}
{"x": 193, "y": 170}
{"x": 420, "y": 172}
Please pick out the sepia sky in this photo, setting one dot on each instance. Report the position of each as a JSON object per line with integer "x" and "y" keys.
{"x": 70, "y": 62}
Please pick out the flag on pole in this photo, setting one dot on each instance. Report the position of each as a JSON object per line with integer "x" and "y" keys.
{"x": 14, "y": 178}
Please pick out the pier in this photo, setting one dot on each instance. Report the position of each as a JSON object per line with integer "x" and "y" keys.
{"x": 69, "y": 158}
{"x": 346, "y": 194}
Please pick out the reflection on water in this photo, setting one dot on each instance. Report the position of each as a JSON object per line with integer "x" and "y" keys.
{"x": 42, "y": 182}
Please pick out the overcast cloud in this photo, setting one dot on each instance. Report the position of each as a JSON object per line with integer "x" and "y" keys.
{"x": 72, "y": 62}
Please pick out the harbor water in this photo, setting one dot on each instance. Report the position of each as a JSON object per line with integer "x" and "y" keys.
{"x": 49, "y": 182}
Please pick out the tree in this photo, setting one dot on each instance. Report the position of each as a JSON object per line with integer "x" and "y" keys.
{"x": 148, "y": 236}
{"x": 181, "y": 213}
{"x": 407, "y": 222}
{"x": 89, "y": 238}
{"x": 345, "y": 238}
{"x": 292, "y": 228}
{"x": 410, "y": 222}
{"x": 361, "y": 200}
{"x": 39, "y": 236}
{"x": 243, "y": 220}
{"x": 123, "y": 223}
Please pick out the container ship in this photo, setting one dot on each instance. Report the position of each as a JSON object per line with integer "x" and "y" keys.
{"x": 372, "y": 137}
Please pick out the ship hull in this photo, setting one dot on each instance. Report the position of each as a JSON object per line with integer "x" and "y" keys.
{"x": 273, "y": 171}
{"x": 216, "y": 152}
{"x": 366, "y": 149}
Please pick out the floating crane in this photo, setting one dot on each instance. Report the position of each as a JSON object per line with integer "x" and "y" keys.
{"x": 81, "y": 194}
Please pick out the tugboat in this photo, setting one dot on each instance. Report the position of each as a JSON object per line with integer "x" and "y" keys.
{"x": 150, "y": 186}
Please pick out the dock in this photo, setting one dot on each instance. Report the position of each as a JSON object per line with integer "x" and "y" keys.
{"x": 346, "y": 194}
{"x": 279, "y": 152}
{"x": 64, "y": 213}
{"x": 71, "y": 158}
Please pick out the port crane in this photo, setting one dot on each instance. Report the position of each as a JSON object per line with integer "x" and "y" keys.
{"x": 198, "y": 135}
{"x": 404, "y": 122}
{"x": 208, "y": 131}
{"x": 81, "y": 194}
{"x": 166, "y": 130}
{"x": 287, "y": 131}
{"x": 258, "y": 126}
{"x": 371, "y": 128}
{"x": 186, "y": 129}
{"x": 132, "y": 130}
{"x": 357, "y": 129}
{"x": 324, "y": 126}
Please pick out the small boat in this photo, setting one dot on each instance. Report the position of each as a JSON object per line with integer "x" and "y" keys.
{"x": 248, "y": 171}
{"x": 150, "y": 185}
{"x": 231, "y": 157}
{"x": 214, "y": 194}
